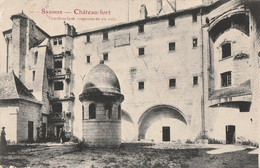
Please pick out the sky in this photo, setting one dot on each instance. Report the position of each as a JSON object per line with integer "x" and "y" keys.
{"x": 117, "y": 11}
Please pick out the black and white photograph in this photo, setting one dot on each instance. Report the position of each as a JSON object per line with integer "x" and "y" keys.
{"x": 129, "y": 83}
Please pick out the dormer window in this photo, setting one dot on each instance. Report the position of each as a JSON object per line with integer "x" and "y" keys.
{"x": 226, "y": 50}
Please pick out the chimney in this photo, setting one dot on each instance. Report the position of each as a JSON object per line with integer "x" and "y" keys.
{"x": 143, "y": 12}
{"x": 159, "y": 6}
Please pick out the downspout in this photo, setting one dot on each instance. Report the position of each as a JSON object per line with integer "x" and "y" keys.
{"x": 203, "y": 133}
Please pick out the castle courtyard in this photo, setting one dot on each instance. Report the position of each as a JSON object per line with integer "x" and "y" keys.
{"x": 130, "y": 155}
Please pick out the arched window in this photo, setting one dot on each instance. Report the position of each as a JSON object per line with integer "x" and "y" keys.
{"x": 108, "y": 111}
{"x": 119, "y": 112}
{"x": 92, "y": 111}
{"x": 83, "y": 114}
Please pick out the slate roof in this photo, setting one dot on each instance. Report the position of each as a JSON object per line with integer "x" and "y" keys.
{"x": 241, "y": 90}
{"x": 12, "y": 88}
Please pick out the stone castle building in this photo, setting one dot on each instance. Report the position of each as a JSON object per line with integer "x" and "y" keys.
{"x": 185, "y": 74}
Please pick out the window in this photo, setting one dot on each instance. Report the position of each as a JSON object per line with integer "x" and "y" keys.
{"x": 244, "y": 107}
{"x": 33, "y": 75}
{"x": 172, "y": 83}
{"x": 108, "y": 110}
{"x": 194, "y": 42}
{"x": 35, "y": 57}
{"x": 88, "y": 39}
{"x": 172, "y": 46}
{"x": 55, "y": 41}
{"x": 88, "y": 59}
{"x": 92, "y": 111}
{"x": 105, "y": 56}
{"x": 60, "y": 40}
{"x": 194, "y": 17}
{"x": 58, "y": 63}
{"x": 226, "y": 79}
{"x": 83, "y": 113}
{"x": 58, "y": 85}
{"x": 105, "y": 36}
{"x": 140, "y": 85}
{"x": 226, "y": 50}
{"x": 140, "y": 28}
{"x": 57, "y": 107}
{"x": 195, "y": 80}
{"x": 119, "y": 112}
{"x": 171, "y": 22}
{"x": 141, "y": 51}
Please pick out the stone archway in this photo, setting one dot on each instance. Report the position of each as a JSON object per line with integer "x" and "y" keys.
{"x": 155, "y": 113}
{"x": 127, "y": 130}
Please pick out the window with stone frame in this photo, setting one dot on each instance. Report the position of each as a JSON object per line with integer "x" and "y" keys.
{"x": 60, "y": 40}
{"x": 92, "y": 111}
{"x": 57, "y": 107}
{"x": 141, "y": 28}
{"x": 141, "y": 85}
{"x": 108, "y": 110}
{"x": 58, "y": 63}
{"x": 105, "y": 56}
{"x": 194, "y": 17}
{"x": 226, "y": 79}
{"x": 172, "y": 46}
{"x": 226, "y": 50}
{"x": 88, "y": 38}
{"x": 105, "y": 36}
{"x": 58, "y": 85}
{"x": 141, "y": 51}
{"x": 195, "y": 80}
{"x": 195, "y": 42}
{"x": 171, "y": 21}
{"x": 83, "y": 113}
{"x": 55, "y": 41}
{"x": 172, "y": 83}
{"x": 119, "y": 112}
{"x": 35, "y": 57}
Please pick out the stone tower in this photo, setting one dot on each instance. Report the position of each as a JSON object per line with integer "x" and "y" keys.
{"x": 101, "y": 108}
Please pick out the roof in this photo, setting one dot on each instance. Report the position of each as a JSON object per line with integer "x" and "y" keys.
{"x": 20, "y": 15}
{"x": 12, "y": 88}
{"x": 102, "y": 78}
{"x": 241, "y": 90}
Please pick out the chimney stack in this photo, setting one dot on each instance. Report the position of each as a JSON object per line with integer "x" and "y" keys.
{"x": 143, "y": 12}
{"x": 159, "y": 6}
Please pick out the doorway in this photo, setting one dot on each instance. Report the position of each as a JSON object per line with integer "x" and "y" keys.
{"x": 44, "y": 126}
{"x": 166, "y": 134}
{"x": 230, "y": 134}
{"x": 30, "y": 131}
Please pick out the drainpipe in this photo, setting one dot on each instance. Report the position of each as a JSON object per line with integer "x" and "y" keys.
{"x": 203, "y": 85}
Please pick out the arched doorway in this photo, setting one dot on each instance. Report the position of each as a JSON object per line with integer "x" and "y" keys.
{"x": 127, "y": 129}
{"x": 165, "y": 117}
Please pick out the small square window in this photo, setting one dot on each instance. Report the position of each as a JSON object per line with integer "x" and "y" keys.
{"x": 171, "y": 22}
{"x": 226, "y": 79}
{"x": 140, "y": 85}
{"x": 141, "y": 51}
{"x": 105, "y": 36}
{"x": 58, "y": 85}
{"x": 172, "y": 46}
{"x": 194, "y": 42}
{"x": 140, "y": 28}
{"x": 226, "y": 50}
{"x": 88, "y": 59}
{"x": 55, "y": 41}
{"x": 195, "y": 80}
{"x": 105, "y": 56}
{"x": 194, "y": 17}
{"x": 172, "y": 83}
{"x": 88, "y": 38}
{"x": 60, "y": 40}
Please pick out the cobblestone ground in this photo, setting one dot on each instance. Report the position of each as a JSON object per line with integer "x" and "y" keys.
{"x": 128, "y": 155}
